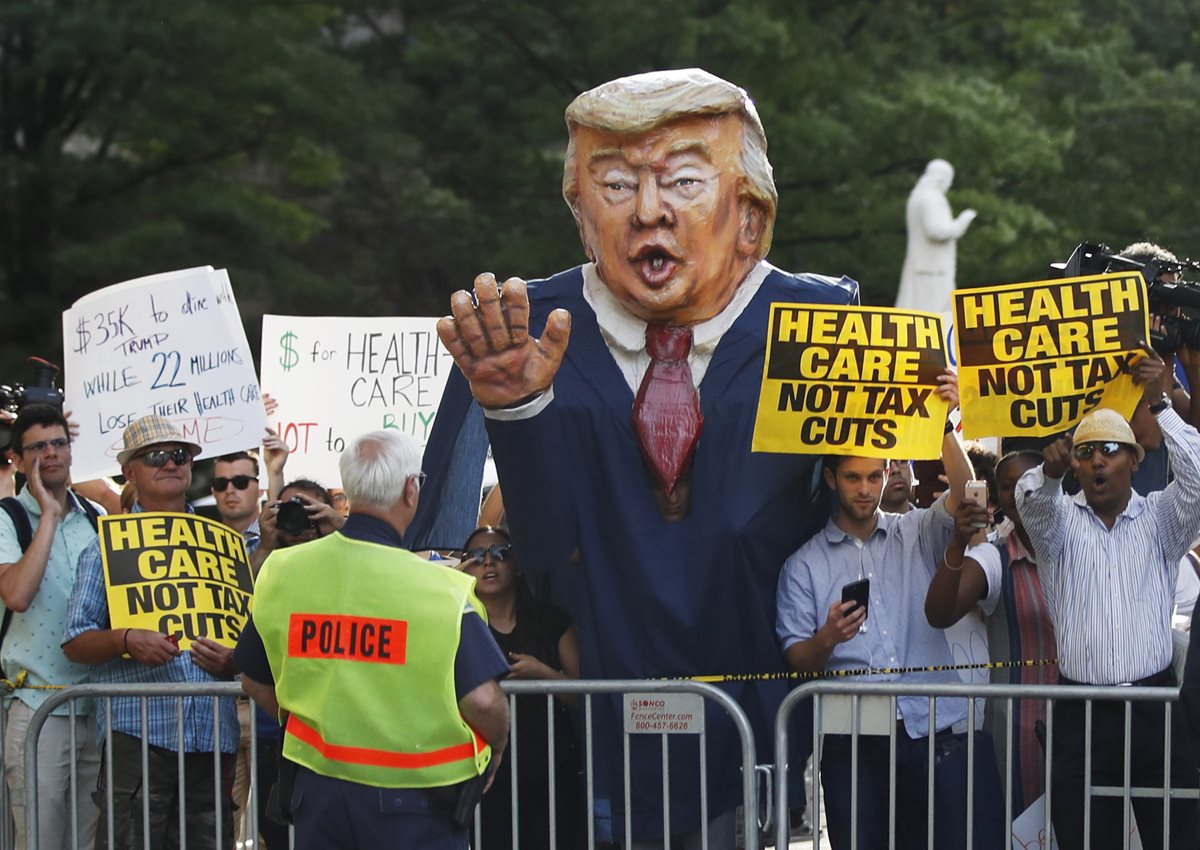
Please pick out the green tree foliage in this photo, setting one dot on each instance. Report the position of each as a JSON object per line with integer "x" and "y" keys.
{"x": 370, "y": 157}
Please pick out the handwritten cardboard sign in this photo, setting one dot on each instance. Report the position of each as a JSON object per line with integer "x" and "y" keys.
{"x": 179, "y": 574}
{"x": 1035, "y": 358}
{"x": 852, "y": 381}
{"x": 336, "y": 377}
{"x": 170, "y": 344}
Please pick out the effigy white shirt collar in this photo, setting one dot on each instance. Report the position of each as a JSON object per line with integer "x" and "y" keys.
{"x": 625, "y": 334}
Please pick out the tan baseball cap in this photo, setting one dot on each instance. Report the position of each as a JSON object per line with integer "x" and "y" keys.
{"x": 1107, "y": 426}
{"x": 149, "y": 431}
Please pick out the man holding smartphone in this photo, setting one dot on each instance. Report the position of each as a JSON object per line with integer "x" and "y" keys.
{"x": 897, "y": 555}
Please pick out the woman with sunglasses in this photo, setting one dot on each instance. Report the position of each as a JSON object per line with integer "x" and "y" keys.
{"x": 540, "y": 642}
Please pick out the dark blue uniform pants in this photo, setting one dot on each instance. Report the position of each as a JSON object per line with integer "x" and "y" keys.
{"x": 332, "y": 814}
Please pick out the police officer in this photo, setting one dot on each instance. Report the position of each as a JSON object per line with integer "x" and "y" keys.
{"x": 383, "y": 666}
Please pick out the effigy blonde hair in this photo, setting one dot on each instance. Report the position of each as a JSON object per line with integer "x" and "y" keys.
{"x": 643, "y": 102}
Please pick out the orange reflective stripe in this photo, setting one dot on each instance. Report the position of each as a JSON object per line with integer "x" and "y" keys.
{"x": 382, "y": 758}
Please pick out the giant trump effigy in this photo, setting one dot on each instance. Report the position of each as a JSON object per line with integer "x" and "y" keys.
{"x": 619, "y": 400}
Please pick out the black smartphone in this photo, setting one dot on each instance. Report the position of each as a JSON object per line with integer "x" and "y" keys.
{"x": 858, "y": 592}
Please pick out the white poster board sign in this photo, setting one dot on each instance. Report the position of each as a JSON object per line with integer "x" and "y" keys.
{"x": 336, "y": 377}
{"x": 170, "y": 344}
{"x": 968, "y": 643}
{"x": 1029, "y": 829}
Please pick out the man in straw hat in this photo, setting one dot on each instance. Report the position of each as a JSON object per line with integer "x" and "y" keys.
{"x": 1109, "y": 560}
{"x": 157, "y": 459}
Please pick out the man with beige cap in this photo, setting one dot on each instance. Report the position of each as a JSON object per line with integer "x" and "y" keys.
{"x": 1109, "y": 560}
{"x": 157, "y": 459}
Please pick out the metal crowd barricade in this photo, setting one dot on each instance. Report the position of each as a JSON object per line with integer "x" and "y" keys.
{"x": 549, "y": 690}
{"x": 106, "y": 693}
{"x": 6, "y": 824}
{"x": 860, "y": 693}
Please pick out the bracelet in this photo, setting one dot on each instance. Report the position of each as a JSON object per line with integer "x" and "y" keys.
{"x": 955, "y": 569}
{"x": 126, "y": 642}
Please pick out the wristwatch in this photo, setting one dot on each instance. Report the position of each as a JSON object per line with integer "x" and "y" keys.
{"x": 1161, "y": 405}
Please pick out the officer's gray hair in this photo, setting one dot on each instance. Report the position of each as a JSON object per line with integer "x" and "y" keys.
{"x": 376, "y": 466}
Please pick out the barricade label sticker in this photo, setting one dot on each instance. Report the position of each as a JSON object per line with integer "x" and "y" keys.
{"x": 656, "y": 714}
{"x": 179, "y": 574}
{"x": 347, "y": 638}
{"x": 851, "y": 381}
{"x": 1035, "y": 358}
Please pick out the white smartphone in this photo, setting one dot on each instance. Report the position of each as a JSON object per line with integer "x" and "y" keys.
{"x": 976, "y": 494}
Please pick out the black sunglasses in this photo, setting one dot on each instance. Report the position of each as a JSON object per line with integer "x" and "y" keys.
{"x": 159, "y": 457}
{"x": 498, "y": 551}
{"x": 1083, "y": 451}
{"x": 241, "y": 482}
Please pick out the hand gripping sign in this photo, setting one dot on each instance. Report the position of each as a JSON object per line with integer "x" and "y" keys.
{"x": 1034, "y": 358}
{"x": 179, "y": 574}
{"x": 852, "y": 381}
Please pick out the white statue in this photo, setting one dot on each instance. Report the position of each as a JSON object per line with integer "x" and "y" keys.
{"x": 927, "y": 279}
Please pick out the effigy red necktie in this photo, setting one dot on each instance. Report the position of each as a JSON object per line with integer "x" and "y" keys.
{"x": 666, "y": 412}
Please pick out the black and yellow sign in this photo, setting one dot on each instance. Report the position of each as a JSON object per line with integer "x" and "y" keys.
{"x": 1034, "y": 358}
{"x": 179, "y": 574}
{"x": 852, "y": 381}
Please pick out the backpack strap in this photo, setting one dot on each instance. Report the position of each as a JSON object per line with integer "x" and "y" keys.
{"x": 89, "y": 510}
{"x": 20, "y": 520}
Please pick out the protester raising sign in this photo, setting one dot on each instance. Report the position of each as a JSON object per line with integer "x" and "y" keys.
{"x": 179, "y": 574}
{"x": 338, "y": 377}
{"x": 1034, "y": 358}
{"x": 852, "y": 381}
{"x": 172, "y": 345}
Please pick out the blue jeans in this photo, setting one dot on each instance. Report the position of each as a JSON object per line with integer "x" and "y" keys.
{"x": 912, "y": 780}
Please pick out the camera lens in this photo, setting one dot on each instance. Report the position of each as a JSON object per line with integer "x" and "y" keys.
{"x": 292, "y": 518}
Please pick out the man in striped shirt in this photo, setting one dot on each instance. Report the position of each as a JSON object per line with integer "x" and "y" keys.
{"x": 1109, "y": 558}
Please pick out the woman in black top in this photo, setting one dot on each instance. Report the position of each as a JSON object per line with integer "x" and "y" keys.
{"x": 540, "y": 642}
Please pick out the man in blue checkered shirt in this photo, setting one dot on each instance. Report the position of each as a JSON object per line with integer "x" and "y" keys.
{"x": 157, "y": 458}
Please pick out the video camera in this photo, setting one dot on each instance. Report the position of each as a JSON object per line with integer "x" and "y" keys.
{"x": 1168, "y": 300}
{"x": 41, "y": 390}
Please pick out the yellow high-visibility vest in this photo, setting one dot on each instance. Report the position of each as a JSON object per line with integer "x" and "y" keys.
{"x": 361, "y": 639}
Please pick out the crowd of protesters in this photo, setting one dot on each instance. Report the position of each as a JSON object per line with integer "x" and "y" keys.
{"x": 1048, "y": 570}
{"x": 1075, "y": 561}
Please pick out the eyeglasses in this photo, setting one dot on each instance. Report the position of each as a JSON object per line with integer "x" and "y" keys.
{"x": 159, "y": 457}
{"x": 40, "y": 446}
{"x": 1083, "y": 451}
{"x": 498, "y": 551}
{"x": 420, "y": 476}
{"x": 241, "y": 482}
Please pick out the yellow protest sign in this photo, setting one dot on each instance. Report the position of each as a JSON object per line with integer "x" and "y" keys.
{"x": 179, "y": 574}
{"x": 851, "y": 381}
{"x": 1034, "y": 358}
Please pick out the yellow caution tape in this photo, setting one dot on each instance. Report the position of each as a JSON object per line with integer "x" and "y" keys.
{"x": 866, "y": 671}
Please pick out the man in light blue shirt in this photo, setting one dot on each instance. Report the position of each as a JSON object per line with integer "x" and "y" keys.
{"x": 898, "y": 554}
{"x": 35, "y": 584}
